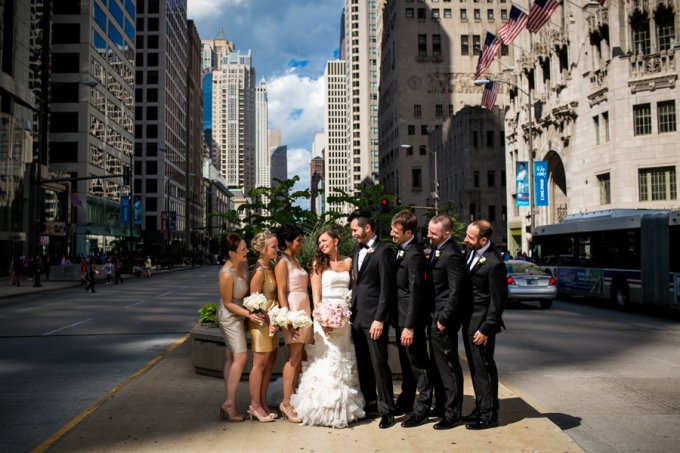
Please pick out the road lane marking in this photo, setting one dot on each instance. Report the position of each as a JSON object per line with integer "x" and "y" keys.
{"x": 165, "y": 294}
{"x": 34, "y": 308}
{"x": 50, "y": 441}
{"x": 67, "y": 327}
{"x": 135, "y": 304}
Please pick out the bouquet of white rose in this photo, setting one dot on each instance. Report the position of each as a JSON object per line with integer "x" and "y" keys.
{"x": 255, "y": 303}
{"x": 278, "y": 316}
{"x": 299, "y": 319}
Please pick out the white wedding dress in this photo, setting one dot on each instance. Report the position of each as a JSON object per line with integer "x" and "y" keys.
{"x": 328, "y": 394}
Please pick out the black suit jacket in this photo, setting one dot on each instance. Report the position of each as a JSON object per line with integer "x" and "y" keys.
{"x": 489, "y": 289}
{"x": 411, "y": 303}
{"x": 446, "y": 280}
{"x": 372, "y": 295}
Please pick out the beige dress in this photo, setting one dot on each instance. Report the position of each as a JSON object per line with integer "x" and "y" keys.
{"x": 298, "y": 299}
{"x": 260, "y": 341}
{"x": 234, "y": 326}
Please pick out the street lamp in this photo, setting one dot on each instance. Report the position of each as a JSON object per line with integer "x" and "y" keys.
{"x": 435, "y": 183}
{"x": 532, "y": 201}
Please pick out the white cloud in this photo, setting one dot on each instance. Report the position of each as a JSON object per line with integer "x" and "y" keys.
{"x": 203, "y": 9}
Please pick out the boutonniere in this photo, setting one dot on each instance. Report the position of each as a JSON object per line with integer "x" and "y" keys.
{"x": 437, "y": 253}
{"x": 482, "y": 260}
{"x": 400, "y": 254}
{"x": 370, "y": 250}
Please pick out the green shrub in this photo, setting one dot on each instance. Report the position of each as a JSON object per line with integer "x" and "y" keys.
{"x": 208, "y": 314}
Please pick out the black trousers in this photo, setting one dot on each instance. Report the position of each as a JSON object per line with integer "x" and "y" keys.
{"x": 483, "y": 372}
{"x": 444, "y": 346}
{"x": 374, "y": 370}
{"x": 415, "y": 372}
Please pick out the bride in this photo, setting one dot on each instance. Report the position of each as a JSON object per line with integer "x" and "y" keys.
{"x": 328, "y": 394}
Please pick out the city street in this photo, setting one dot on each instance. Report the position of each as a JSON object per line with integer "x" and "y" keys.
{"x": 64, "y": 350}
{"x": 610, "y": 380}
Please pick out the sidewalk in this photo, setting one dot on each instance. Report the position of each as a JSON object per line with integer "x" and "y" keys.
{"x": 169, "y": 408}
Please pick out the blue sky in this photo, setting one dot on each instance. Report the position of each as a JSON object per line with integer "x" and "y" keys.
{"x": 291, "y": 41}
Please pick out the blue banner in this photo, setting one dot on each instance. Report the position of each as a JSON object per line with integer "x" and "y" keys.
{"x": 124, "y": 210}
{"x": 522, "y": 183}
{"x": 173, "y": 221}
{"x": 541, "y": 182}
{"x": 137, "y": 210}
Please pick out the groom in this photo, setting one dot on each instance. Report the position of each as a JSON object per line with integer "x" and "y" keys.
{"x": 372, "y": 296}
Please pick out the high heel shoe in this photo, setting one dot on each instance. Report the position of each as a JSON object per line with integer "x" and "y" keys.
{"x": 261, "y": 418}
{"x": 286, "y": 415}
{"x": 225, "y": 415}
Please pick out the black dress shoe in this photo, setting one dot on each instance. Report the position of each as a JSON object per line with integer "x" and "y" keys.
{"x": 484, "y": 421}
{"x": 386, "y": 421}
{"x": 414, "y": 419}
{"x": 472, "y": 416}
{"x": 436, "y": 412}
{"x": 446, "y": 423}
{"x": 371, "y": 410}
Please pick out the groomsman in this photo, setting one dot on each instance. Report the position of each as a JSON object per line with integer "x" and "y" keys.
{"x": 372, "y": 300}
{"x": 446, "y": 284}
{"x": 412, "y": 319}
{"x": 489, "y": 289}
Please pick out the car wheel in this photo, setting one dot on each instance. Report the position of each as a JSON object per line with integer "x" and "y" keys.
{"x": 546, "y": 303}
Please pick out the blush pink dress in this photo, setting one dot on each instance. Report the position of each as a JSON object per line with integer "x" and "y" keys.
{"x": 298, "y": 299}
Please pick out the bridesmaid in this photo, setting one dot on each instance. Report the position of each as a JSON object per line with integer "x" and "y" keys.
{"x": 266, "y": 245}
{"x": 233, "y": 283}
{"x": 291, "y": 283}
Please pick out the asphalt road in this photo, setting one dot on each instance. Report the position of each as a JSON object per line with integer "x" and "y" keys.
{"x": 62, "y": 351}
{"x": 611, "y": 380}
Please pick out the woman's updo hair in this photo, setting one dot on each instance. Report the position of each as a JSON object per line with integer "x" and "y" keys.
{"x": 259, "y": 242}
{"x": 320, "y": 261}
{"x": 288, "y": 233}
{"x": 232, "y": 242}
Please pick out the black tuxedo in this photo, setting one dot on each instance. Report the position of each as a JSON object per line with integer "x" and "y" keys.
{"x": 446, "y": 283}
{"x": 413, "y": 313}
{"x": 372, "y": 300}
{"x": 488, "y": 293}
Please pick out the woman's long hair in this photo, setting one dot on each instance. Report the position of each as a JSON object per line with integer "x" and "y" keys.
{"x": 320, "y": 261}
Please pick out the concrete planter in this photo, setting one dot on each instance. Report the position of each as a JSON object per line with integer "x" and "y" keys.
{"x": 207, "y": 352}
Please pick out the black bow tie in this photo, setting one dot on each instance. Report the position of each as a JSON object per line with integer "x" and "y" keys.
{"x": 364, "y": 246}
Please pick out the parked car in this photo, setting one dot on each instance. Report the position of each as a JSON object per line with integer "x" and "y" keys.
{"x": 528, "y": 282}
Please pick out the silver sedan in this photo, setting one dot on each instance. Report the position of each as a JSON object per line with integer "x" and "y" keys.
{"x": 527, "y": 281}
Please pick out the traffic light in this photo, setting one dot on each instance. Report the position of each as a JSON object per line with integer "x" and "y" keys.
{"x": 384, "y": 205}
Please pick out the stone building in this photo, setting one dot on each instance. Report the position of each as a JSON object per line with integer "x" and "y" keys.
{"x": 604, "y": 90}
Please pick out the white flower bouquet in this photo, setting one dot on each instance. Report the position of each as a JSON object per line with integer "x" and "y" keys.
{"x": 299, "y": 319}
{"x": 255, "y": 303}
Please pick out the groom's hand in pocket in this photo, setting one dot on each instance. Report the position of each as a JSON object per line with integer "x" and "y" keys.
{"x": 376, "y": 330}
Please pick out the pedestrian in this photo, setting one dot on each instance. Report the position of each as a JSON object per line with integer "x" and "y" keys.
{"x": 83, "y": 273}
{"x": 108, "y": 270}
{"x": 28, "y": 272}
{"x": 46, "y": 266}
{"x": 412, "y": 317}
{"x": 10, "y": 270}
{"x": 18, "y": 269}
{"x": 489, "y": 293}
{"x": 119, "y": 271}
{"x": 446, "y": 281}
{"x": 147, "y": 266}
{"x": 91, "y": 275}
{"x": 36, "y": 270}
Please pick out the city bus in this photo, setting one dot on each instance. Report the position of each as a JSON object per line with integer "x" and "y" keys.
{"x": 628, "y": 256}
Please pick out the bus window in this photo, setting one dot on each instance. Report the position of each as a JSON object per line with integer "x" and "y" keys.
{"x": 583, "y": 250}
{"x": 674, "y": 232}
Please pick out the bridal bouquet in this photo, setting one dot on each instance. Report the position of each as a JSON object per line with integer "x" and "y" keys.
{"x": 331, "y": 314}
{"x": 255, "y": 303}
{"x": 299, "y": 319}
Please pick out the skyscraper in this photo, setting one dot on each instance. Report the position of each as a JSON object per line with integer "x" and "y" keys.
{"x": 337, "y": 168}
{"x": 262, "y": 153}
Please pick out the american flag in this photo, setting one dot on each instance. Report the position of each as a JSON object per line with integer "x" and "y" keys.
{"x": 489, "y": 96}
{"x": 515, "y": 24}
{"x": 539, "y": 14}
{"x": 491, "y": 46}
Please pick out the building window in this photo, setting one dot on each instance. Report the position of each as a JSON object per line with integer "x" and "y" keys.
{"x": 409, "y": 13}
{"x": 504, "y": 14}
{"x": 596, "y": 126}
{"x": 605, "y": 126}
{"x": 422, "y": 150}
{"x": 504, "y": 50}
{"x": 411, "y": 129}
{"x": 422, "y": 13}
{"x": 475, "y": 179}
{"x": 476, "y": 45}
{"x": 477, "y": 14}
{"x": 473, "y": 211}
{"x": 435, "y": 13}
{"x": 423, "y": 129}
{"x": 438, "y": 110}
{"x": 640, "y": 26}
{"x": 604, "y": 182}
{"x": 642, "y": 117}
{"x": 489, "y": 139}
{"x": 436, "y": 45}
{"x": 492, "y": 213}
{"x": 491, "y": 178}
{"x": 416, "y": 179}
{"x": 666, "y": 116}
{"x": 422, "y": 45}
{"x": 409, "y": 151}
{"x": 657, "y": 184}
{"x": 475, "y": 139}
{"x": 417, "y": 110}
{"x": 489, "y": 14}
{"x": 665, "y": 28}
{"x": 463, "y": 14}
{"x": 465, "y": 45}
{"x": 447, "y": 13}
